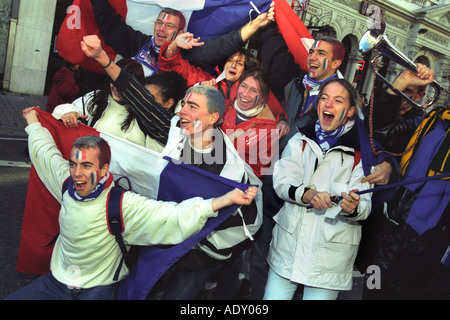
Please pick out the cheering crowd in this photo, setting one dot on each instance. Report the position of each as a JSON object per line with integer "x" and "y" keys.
{"x": 319, "y": 162}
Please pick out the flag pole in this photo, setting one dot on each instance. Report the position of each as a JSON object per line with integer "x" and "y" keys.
{"x": 336, "y": 199}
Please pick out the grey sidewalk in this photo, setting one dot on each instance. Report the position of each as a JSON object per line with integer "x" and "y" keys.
{"x": 11, "y": 106}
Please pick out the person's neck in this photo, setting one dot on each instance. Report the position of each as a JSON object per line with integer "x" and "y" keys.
{"x": 202, "y": 140}
{"x": 325, "y": 78}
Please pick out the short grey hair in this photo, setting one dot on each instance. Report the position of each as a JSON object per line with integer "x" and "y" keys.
{"x": 215, "y": 99}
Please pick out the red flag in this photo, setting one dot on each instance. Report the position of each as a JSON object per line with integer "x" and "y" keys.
{"x": 40, "y": 221}
{"x": 80, "y": 22}
{"x": 295, "y": 33}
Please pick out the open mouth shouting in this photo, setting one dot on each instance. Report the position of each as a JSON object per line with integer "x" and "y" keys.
{"x": 232, "y": 75}
{"x": 80, "y": 185}
{"x": 328, "y": 117}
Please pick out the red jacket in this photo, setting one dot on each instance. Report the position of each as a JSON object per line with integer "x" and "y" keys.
{"x": 64, "y": 89}
{"x": 193, "y": 75}
{"x": 253, "y": 139}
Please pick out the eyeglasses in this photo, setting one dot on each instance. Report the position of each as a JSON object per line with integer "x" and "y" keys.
{"x": 168, "y": 25}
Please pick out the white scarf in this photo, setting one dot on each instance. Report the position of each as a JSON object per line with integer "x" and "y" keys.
{"x": 244, "y": 115}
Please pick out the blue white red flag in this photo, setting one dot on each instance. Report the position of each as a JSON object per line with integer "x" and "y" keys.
{"x": 204, "y": 18}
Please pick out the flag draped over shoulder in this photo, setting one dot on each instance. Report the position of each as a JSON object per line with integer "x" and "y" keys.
{"x": 149, "y": 174}
{"x": 295, "y": 33}
{"x": 154, "y": 261}
{"x": 204, "y": 18}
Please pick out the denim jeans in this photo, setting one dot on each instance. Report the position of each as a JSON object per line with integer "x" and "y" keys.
{"x": 279, "y": 288}
{"x": 46, "y": 287}
{"x": 186, "y": 285}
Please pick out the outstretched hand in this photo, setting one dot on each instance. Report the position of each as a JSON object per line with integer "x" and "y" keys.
{"x": 240, "y": 197}
{"x": 235, "y": 196}
{"x": 30, "y": 114}
{"x": 265, "y": 18}
{"x": 187, "y": 41}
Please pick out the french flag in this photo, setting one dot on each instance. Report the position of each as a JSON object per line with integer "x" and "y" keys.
{"x": 205, "y": 19}
{"x": 149, "y": 174}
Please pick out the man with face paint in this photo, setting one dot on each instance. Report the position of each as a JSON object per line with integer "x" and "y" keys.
{"x": 298, "y": 89}
{"x": 84, "y": 246}
{"x": 132, "y": 43}
{"x": 194, "y": 138}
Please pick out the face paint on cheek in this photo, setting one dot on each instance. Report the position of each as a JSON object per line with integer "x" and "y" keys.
{"x": 197, "y": 124}
{"x": 173, "y": 36}
{"x": 325, "y": 64}
{"x": 256, "y": 100}
{"x": 342, "y": 115}
{"x": 93, "y": 179}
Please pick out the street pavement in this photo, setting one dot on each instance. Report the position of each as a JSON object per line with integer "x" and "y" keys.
{"x": 14, "y": 170}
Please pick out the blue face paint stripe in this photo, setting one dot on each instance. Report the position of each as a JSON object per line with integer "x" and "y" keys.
{"x": 256, "y": 100}
{"x": 92, "y": 178}
{"x": 325, "y": 62}
{"x": 342, "y": 115}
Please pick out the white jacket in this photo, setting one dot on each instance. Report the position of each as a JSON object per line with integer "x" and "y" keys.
{"x": 311, "y": 247}
{"x": 110, "y": 121}
{"x": 235, "y": 169}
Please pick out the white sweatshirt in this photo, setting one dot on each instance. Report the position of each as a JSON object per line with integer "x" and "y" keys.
{"x": 86, "y": 254}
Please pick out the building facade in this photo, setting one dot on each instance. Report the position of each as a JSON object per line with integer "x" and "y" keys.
{"x": 420, "y": 29}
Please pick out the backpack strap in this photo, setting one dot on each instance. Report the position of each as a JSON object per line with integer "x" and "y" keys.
{"x": 115, "y": 222}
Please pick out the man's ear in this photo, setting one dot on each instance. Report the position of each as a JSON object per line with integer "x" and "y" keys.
{"x": 169, "y": 103}
{"x": 335, "y": 64}
{"x": 104, "y": 170}
{"x": 214, "y": 117}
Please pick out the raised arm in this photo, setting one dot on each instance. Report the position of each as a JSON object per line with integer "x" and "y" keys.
{"x": 217, "y": 50}
{"x": 157, "y": 222}
{"x": 117, "y": 34}
{"x": 155, "y": 119}
{"x": 47, "y": 160}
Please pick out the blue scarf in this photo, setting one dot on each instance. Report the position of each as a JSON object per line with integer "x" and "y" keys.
{"x": 148, "y": 57}
{"x": 328, "y": 139}
{"x": 312, "y": 88}
{"x": 104, "y": 182}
